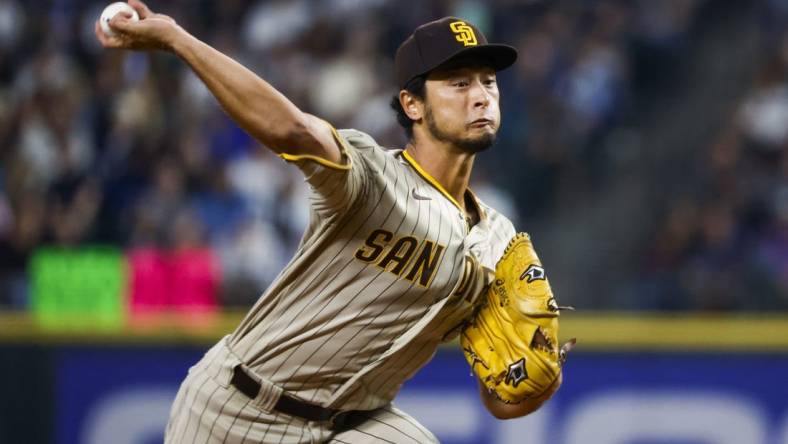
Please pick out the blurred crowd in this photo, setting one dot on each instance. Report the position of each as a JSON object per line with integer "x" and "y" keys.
{"x": 130, "y": 149}
{"x": 722, "y": 243}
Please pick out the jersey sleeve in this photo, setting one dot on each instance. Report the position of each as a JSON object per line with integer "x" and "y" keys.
{"x": 336, "y": 186}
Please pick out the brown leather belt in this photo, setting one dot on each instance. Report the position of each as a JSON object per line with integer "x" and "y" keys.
{"x": 292, "y": 406}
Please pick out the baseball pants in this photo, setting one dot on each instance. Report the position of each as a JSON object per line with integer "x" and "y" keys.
{"x": 208, "y": 409}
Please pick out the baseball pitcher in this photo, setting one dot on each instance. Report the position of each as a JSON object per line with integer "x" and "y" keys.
{"x": 399, "y": 256}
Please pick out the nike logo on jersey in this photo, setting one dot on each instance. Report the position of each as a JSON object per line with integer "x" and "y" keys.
{"x": 418, "y": 196}
{"x": 406, "y": 257}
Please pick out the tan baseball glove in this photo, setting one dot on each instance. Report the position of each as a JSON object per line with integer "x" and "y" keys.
{"x": 512, "y": 341}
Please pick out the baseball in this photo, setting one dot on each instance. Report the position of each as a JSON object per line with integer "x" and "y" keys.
{"x": 110, "y": 11}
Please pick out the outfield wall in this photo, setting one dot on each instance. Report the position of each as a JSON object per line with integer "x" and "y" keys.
{"x": 630, "y": 381}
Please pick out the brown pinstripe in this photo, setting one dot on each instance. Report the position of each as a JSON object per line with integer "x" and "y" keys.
{"x": 341, "y": 332}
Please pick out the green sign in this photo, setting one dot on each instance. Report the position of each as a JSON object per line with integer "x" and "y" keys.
{"x": 78, "y": 288}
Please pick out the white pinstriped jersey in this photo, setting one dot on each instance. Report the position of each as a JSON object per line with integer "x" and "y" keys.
{"x": 387, "y": 269}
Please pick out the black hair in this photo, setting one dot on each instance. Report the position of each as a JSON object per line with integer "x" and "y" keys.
{"x": 414, "y": 86}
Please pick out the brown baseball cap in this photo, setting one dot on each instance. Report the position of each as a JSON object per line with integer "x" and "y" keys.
{"x": 435, "y": 43}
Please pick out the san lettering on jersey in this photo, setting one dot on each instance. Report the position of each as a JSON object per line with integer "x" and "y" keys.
{"x": 407, "y": 257}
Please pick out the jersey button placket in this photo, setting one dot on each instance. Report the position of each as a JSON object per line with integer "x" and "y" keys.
{"x": 465, "y": 222}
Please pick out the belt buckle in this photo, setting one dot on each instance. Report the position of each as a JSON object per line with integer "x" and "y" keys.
{"x": 337, "y": 419}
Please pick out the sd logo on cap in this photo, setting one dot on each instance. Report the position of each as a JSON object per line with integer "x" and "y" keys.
{"x": 435, "y": 43}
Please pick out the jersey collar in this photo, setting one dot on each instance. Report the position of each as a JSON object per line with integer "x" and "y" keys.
{"x": 431, "y": 180}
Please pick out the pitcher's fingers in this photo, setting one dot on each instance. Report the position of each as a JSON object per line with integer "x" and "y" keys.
{"x": 141, "y": 9}
{"x": 121, "y": 22}
{"x": 105, "y": 40}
